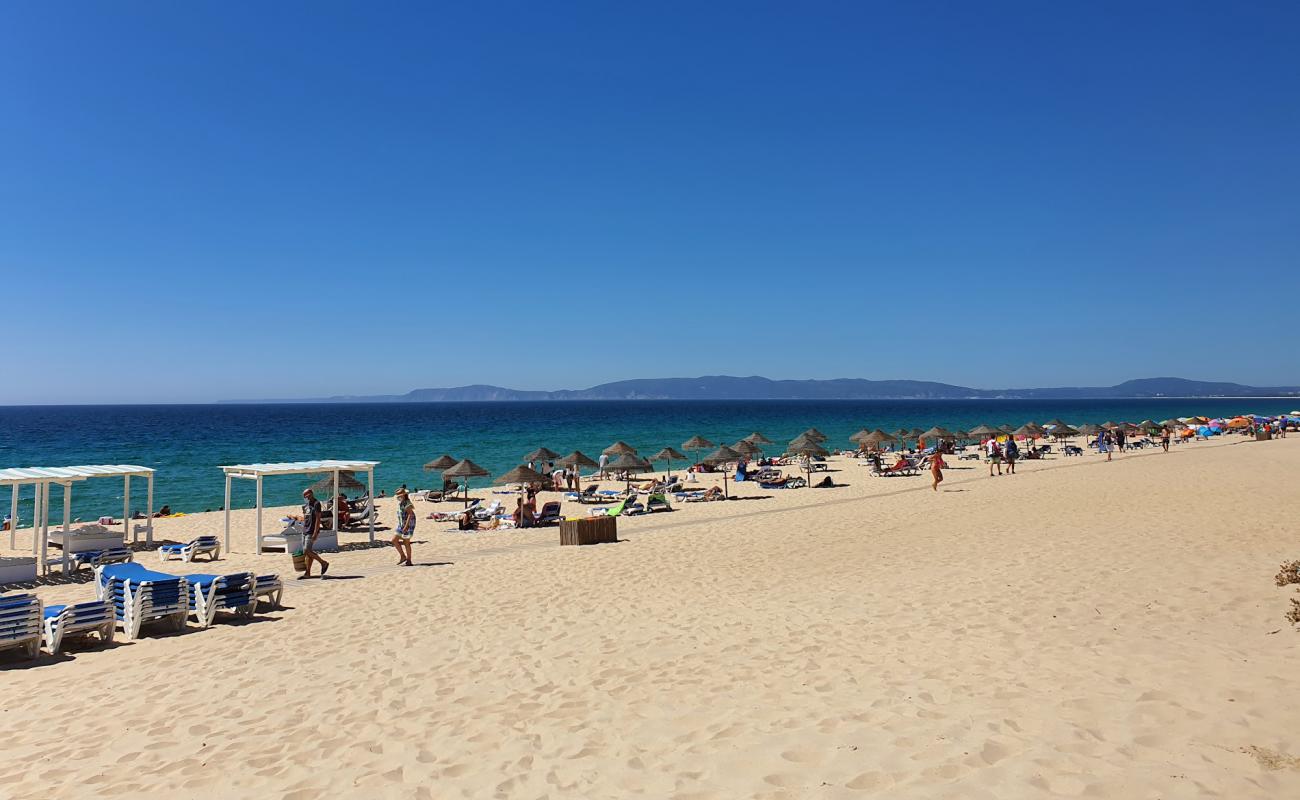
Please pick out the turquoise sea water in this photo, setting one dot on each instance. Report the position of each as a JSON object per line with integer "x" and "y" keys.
{"x": 187, "y": 443}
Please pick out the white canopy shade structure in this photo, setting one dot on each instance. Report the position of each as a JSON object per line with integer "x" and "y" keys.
{"x": 256, "y": 472}
{"x": 43, "y": 477}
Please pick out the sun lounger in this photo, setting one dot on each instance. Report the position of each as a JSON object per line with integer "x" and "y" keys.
{"x": 212, "y": 593}
{"x": 270, "y": 587}
{"x": 657, "y": 502}
{"x": 94, "y": 558}
{"x": 140, "y": 595}
{"x": 187, "y": 551}
{"x": 60, "y": 622}
{"x": 495, "y": 508}
{"x": 549, "y": 515}
{"x": 627, "y": 506}
{"x": 20, "y": 623}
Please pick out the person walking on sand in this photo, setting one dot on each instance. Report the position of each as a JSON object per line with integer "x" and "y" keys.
{"x": 1010, "y": 453}
{"x": 1164, "y": 439}
{"x": 405, "y": 528}
{"x": 995, "y": 455}
{"x": 1103, "y": 444}
{"x": 310, "y": 530}
{"x": 936, "y": 470}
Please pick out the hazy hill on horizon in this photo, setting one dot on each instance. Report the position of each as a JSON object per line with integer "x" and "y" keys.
{"x": 726, "y": 387}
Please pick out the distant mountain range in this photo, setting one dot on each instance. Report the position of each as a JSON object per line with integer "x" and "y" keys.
{"x": 725, "y": 387}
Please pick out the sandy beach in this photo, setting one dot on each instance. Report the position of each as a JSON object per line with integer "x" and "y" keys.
{"x": 1080, "y": 629}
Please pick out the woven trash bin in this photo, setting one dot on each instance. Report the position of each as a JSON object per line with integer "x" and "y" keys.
{"x": 299, "y": 561}
{"x": 1263, "y": 436}
{"x": 589, "y": 530}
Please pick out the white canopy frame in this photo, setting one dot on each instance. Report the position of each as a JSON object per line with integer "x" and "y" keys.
{"x": 42, "y": 478}
{"x": 256, "y": 472}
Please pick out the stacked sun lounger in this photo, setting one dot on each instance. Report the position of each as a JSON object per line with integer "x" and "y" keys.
{"x": 140, "y": 595}
{"x": 212, "y": 593}
{"x": 61, "y": 622}
{"x": 95, "y": 558}
{"x": 20, "y": 623}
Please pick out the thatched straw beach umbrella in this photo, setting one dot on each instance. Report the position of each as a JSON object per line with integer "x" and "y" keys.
{"x": 876, "y": 438}
{"x": 696, "y": 444}
{"x": 578, "y": 459}
{"x": 723, "y": 455}
{"x": 938, "y": 433}
{"x": 813, "y": 433}
{"x": 859, "y": 436}
{"x": 542, "y": 454}
{"x": 619, "y": 449}
{"x": 747, "y": 448}
{"x": 466, "y": 469}
{"x": 983, "y": 431}
{"x": 520, "y": 475}
{"x": 758, "y": 439}
{"x": 668, "y": 455}
{"x": 440, "y": 463}
{"x": 347, "y": 482}
{"x": 807, "y": 447}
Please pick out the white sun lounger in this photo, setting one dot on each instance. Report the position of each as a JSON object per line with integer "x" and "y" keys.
{"x": 186, "y": 552}
{"x": 94, "y": 616}
{"x": 140, "y": 595}
{"x": 20, "y": 623}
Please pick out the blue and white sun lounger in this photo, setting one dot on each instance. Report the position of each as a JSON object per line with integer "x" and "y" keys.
{"x": 186, "y": 552}
{"x": 20, "y": 623}
{"x": 95, "y": 616}
{"x": 140, "y": 595}
{"x": 96, "y": 558}
{"x": 270, "y": 587}
{"x": 212, "y": 593}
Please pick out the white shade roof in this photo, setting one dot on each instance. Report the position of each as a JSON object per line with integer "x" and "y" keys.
{"x": 298, "y": 468}
{"x": 64, "y": 474}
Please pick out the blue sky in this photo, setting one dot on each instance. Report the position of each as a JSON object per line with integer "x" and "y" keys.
{"x": 211, "y": 200}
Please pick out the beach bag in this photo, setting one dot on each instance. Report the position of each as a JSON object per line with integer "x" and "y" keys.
{"x": 299, "y": 561}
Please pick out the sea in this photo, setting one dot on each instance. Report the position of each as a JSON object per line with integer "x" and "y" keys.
{"x": 187, "y": 444}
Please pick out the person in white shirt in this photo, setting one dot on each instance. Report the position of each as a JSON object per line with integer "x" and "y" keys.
{"x": 995, "y": 455}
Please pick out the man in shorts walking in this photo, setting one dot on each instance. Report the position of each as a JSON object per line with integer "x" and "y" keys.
{"x": 310, "y": 530}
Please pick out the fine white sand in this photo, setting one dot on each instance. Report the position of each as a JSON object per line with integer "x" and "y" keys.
{"x": 1080, "y": 629}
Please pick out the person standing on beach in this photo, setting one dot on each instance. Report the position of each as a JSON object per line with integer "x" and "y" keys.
{"x": 1103, "y": 444}
{"x": 1164, "y": 439}
{"x": 310, "y": 530}
{"x": 1010, "y": 453}
{"x": 936, "y": 470}
{"x": 604, "y": 461}
{"x": 405, "y": 528}
{"x": 995, "y": 455}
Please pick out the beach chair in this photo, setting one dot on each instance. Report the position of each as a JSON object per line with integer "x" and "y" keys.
{"x": 94, "y": 558}
{"x": 618, "y": 509}
{"x": 140, "y": 596}
{"x": 270, "y": 587}
{"x": 20, "y": 623}
{"x": 93, "y": 616}
{"x": 657, "y": 502}
{"x": 187, "y": 551}
{"x": 495, "y": 508}
{"x": 212, "y": 593}
{"x": 549, "y": 515}
{"x": 360, "y": 518}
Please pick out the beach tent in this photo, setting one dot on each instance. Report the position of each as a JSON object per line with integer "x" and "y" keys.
{"x": 43, "y": 477}
{"x": 256, "y": 472}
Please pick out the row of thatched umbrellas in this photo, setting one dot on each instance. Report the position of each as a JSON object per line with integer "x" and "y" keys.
{"x": 622, "y": 457}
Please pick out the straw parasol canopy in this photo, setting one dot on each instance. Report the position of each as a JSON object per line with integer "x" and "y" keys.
{"x": 877, "y": 437}
{"x": 1006, "y": 429}
{"x": 1110, "y": 426}
{"x": 902, "y": 435}
{"x": 542, "y": 454}
{"x": 746, "y": 448}
{"x": 1091, "y": 430}
{"x": 629, "y": 462}
{"x": 859, "y": 436}
{"x": 806, "y": 447}
{"x": 1063, "y": 430}
{"x": 1172, "y": 423}
{"x": 813, "y": 433}
{"x": 802, "y": 440}
{"x": 1059, "y": 423}
{"x": 577, "y": 459}
{"x": 465, "y": 469}
{"x": 347, "y": 483}
{"x": 440, "y": 463}
{"x": 619, "y": 449}
{"x": 695, "y": 444}
{"x": 960, "y": 434}
{"x": 758, "y": 439}
{"x": 668, "y": 455}
{"x": 1029, "y": 430}
{"x": 520, "y": 474}
{"x": 983, "y": 430}
{"x": 938, "y": 432}
{"x": 722, "y": 455}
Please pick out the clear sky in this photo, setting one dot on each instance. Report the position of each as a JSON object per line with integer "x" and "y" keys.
{"x": 202, "y": 201}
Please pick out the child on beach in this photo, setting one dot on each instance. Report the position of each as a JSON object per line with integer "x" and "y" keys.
{"x": 936, "y": 470}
